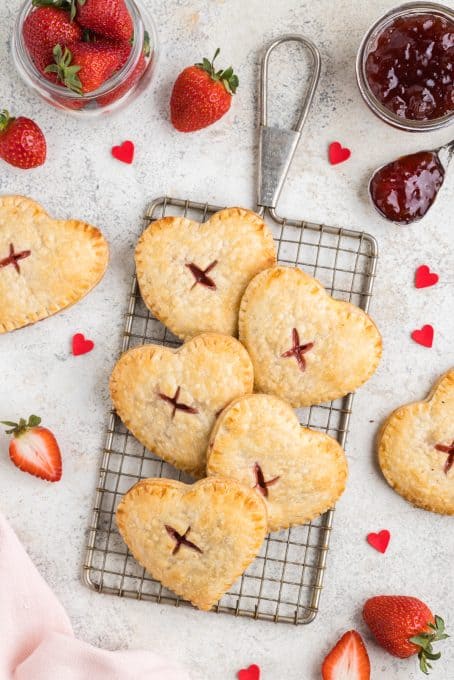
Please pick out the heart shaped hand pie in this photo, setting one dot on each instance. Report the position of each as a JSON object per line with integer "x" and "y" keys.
{"x": 170, "y": 399}
{"x": 45, "y": 264}
{"x": 196, "y": 540}
{"x": 258, "y": 441}
{"x": 192, "y": 276}
{"x": 416, "y": 449}
{"x": 306, "y": 347}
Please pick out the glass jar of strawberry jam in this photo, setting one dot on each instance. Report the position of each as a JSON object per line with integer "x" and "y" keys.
{"x": 97, "y": 64}
{"x": 405, "y": 67}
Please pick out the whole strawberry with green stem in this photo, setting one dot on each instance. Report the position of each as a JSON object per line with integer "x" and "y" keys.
{"x": 34, "y": 449}
{"x": 46, "y": 27}
{"x": 405, "y": 626}
{"x": 108, "y": 18}
{"x": 22, "y": 142}
{"x": 83, "y": 67}
{"x": 201, "y": 95}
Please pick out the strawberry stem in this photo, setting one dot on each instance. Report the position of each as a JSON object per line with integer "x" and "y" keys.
{"x": 22, "y": 426}
{"x": 66, "y": 72}
{"x": 70, "y": 5}
{"x": 227, "y": 77}
{"x": 5, "y": 120}
{"x": 425, "y": 641}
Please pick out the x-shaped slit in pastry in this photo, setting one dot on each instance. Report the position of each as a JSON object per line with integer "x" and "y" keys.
{"x": 201, "y": 275}
{"x": 298, "y": 350}
{"x": 13, "y": 258}
{"x": 262, "y": 485}
{"x": 181, "y": 539}
{"x": 449, "y": 449}
{"x": 177, "y": 406}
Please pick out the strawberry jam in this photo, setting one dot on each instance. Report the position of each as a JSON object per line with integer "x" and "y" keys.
{"x": 410, "y": 68}
{"x": 404, "y": 190}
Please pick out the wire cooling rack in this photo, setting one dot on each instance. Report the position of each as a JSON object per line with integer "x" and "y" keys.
{"x": 284, "y": 582}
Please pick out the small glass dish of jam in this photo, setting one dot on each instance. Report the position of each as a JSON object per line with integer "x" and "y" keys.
{"x": 405, "y": 67}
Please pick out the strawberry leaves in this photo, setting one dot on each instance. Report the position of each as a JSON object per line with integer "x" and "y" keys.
{"x": 425, "y": 642}
{"x": 70, "y": 5}
{"x": 5, "y": 120}
{"x": 22, "y": 426}
{"x": 227, "y": 77}
{"x": 66, "y": 73}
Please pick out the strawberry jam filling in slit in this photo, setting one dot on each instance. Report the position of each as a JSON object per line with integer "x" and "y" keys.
{"x": 449, "y": 450}
{"x": 13, "y": 258}
{"x": 176, "y": 405}
{"x": 261, "y": 485}
{"x": 181, "y": 539}
{"x": 201, "y": 275}
{"x": 298, "y": 350}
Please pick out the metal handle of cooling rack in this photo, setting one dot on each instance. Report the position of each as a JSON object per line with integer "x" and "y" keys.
{"x": 277, "y": 146}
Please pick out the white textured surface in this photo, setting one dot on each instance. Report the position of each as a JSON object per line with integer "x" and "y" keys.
{"x": 39, "y": 375}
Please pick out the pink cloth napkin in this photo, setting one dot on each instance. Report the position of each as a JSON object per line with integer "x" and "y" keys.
{"x": 36, "y": 638}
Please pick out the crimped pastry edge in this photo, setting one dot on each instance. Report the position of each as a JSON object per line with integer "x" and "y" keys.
{"x": 255, "y": 284}
{"x": 144, "y": 486}
{"x": 384, "y": 451}
{"x": 149, "y": 350}
{"x": 100, "y": 245}
{"x": 162, "y": 314}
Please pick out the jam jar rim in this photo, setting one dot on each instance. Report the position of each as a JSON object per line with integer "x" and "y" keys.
{"x": 38, "y": 82}
{"x": 376, "y": 106}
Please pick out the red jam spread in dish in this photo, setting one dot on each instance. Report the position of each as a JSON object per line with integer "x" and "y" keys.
{"x": 410, "y": 68}
{"x": 403, "y": 191}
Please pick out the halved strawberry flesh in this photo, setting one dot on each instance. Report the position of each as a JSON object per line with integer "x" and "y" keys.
{"x": 36, "y": 451}
{"x": 348, "y": 660}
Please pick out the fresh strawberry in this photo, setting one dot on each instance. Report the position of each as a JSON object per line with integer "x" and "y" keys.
{"x": 201, "y": 95}
{"x": 46, "y": 27}
{"x": 22, "y": 142}
{"x": 134, "y": 77}
{"x": 348, "y": 660}
{"x": 83, "y": 67}
{"x": 34, "y": 449}
{"x": 405, "y": 626}
{"x": 110, "y": 19}
{"x": 107, "y": 18}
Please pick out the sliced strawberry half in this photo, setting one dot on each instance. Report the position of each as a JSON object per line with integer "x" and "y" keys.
{"x": 348, "y": 660}
{"x": 34, "y": 449}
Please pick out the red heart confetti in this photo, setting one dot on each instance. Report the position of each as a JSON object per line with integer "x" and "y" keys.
{"x": 424, "y": 336}
{"x": 251, "y": 673}
{"x": 379, "y": 541}
{"x": 81, "y": 345}
{"x": 424, "y": 277}
{"x": 338, "y": 153}
{"x": 124, "y": 153}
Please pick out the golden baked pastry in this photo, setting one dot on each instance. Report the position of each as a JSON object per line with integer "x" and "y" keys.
{"x": 170, "y": 399}
{"x": 306, "y": 347}
{"x": 196, "y": 540}
{"x": 192, "y": 276}
{"x": 46, "y": 265}
{"x": 300, "y": 473}
{"x": 416, "y": 449}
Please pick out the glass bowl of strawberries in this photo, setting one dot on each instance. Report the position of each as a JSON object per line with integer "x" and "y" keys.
{"x": 87, "y": 57}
